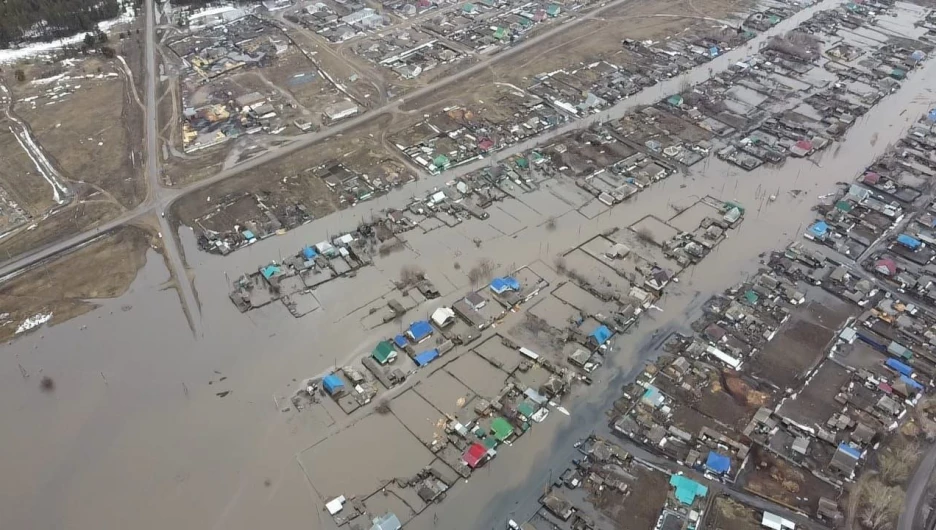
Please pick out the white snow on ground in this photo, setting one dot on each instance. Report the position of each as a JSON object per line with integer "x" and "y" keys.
{"x": 34, "y": 321}
{"x": 13, "y": 55}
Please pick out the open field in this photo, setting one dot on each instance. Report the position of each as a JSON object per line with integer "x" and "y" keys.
{"x": 66, "y": 288}
{"x": 354, "y": 462}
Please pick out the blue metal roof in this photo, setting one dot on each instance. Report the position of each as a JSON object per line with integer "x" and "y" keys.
{"x": 419, "y": 330}
{"x": 898, "y": 366}
{"x": 426, "y": 357}
{"x": 718, "y": 463}
{"x": 908, "y": 241}
{"x": 332, "y": 383}
{"x": 506, "y": 283}
{"x": 849, "y": 450}
{"x": 400, "y": 341}
{"x": 248, "y": 234}
{"x": 601, "y": 334}
{"x": 309, "y": 253}
{"x": 819, "y": 229}
{"x": 912, "y": 383}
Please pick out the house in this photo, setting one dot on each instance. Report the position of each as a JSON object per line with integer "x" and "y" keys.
{"x": 553, "y": 10}
{"x": 579, "y": 357}
{"x": 384, "y": 352}
{"x": 885, "y": 266}
{"x": 443, "y": 317}
{"x": 475, "y": 300}
{"x": 845, "y": 460}
{"x": 469, "y": 314}
{"x": 911, "y": 243}
{"x": 387, "y": 522}
{"x": 419, "y": 331}
{"x": 501, "y": 429}
{"x": 475, "y": 455}
{"x": 504, "y": 284}
{"x": 718, "y": 463}
{"x": 333, "y": 385}
{"x": 599, "y": 336}
{"x": 687, "y": 490}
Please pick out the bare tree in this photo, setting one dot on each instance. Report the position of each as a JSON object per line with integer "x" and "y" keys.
{"x": 47, "y": 384}
{"x": 644, "y": 234}
{"x": 551, "y": 223}
{"x": 897, "y": 461}
{"x": 411, "y": 274}
{"x": 880, "y": 505}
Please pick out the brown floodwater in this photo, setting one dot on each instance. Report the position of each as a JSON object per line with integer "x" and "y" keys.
{"x": 133, "y": 434}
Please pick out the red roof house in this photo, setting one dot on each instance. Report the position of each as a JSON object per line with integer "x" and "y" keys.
{"x": 475, "y": 455}
{"x": 871, "y": 178}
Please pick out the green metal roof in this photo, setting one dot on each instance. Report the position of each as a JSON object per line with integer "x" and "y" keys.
{"x": 675, "y": 100}
{"x": 489, "y": 442}
{"x": 383, "y": 351}
{"x": 441, "y": 161}
{"x": 751, "y": 297}
{"x": 522, "y": 163}
{"x": 469, "y": 8}
{"x": 500, "y": 33}
{"x": 553, "y": 9}
{"x": 844, "y": 206}
{"x": 501, "y": 428}
{"x": 526, "y": 409}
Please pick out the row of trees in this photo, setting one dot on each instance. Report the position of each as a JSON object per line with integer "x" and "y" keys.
{"x": 41, "y": 20}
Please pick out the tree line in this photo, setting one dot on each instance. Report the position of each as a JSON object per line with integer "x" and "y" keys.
{"x": 23, "y": 21}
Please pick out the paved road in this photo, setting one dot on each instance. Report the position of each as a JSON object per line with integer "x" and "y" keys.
{"x": 172, "y": 253}
{"x": 916, "y": 489}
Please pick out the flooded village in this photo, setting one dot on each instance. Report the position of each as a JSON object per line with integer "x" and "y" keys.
{"x": 689, "y": 284}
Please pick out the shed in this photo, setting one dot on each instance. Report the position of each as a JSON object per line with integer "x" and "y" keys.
{"x": 718, "y": 463}
{"x": 908, "y": 241}
{"x": 912, "y": 383}
{"x": 400, "y": 341}
{"x": 504, "y": 284}
{"x": 388, "y": 522}
{"x": 333, "y": 384}
{"x": 775, "y": 522}
{"x": 384, "y": 352}
{"x": 419, "y": 331}
{"x": 898, "y": 366}
{"x": 426, "y": 357}
{"x": 309, "y": 253}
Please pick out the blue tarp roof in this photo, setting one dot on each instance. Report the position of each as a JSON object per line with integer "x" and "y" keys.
{"x": 912, "y": 383}
{"x": 309, "y": 253}
{"x": 849, "y": 450}
{"x": 819, "y": 229}
{"x": 332, "y": 383}
{"x": 400, "y": 341}
{"x": 506, "y": 283}
{"x": 426, "y": 357}
{"x": 248, "y": 234}
{"x": 652, "y": 396}
{"x": 898, "y": 366}
{"x": 419, "y": 330}
{"x": 932, "y": 115}
{"x": 718, "y": 463}
{"x": 601, "y": 334}
{"x": 908, "y": 241}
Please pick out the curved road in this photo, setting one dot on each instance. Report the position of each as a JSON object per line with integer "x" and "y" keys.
{"x": 916, "y": 489}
